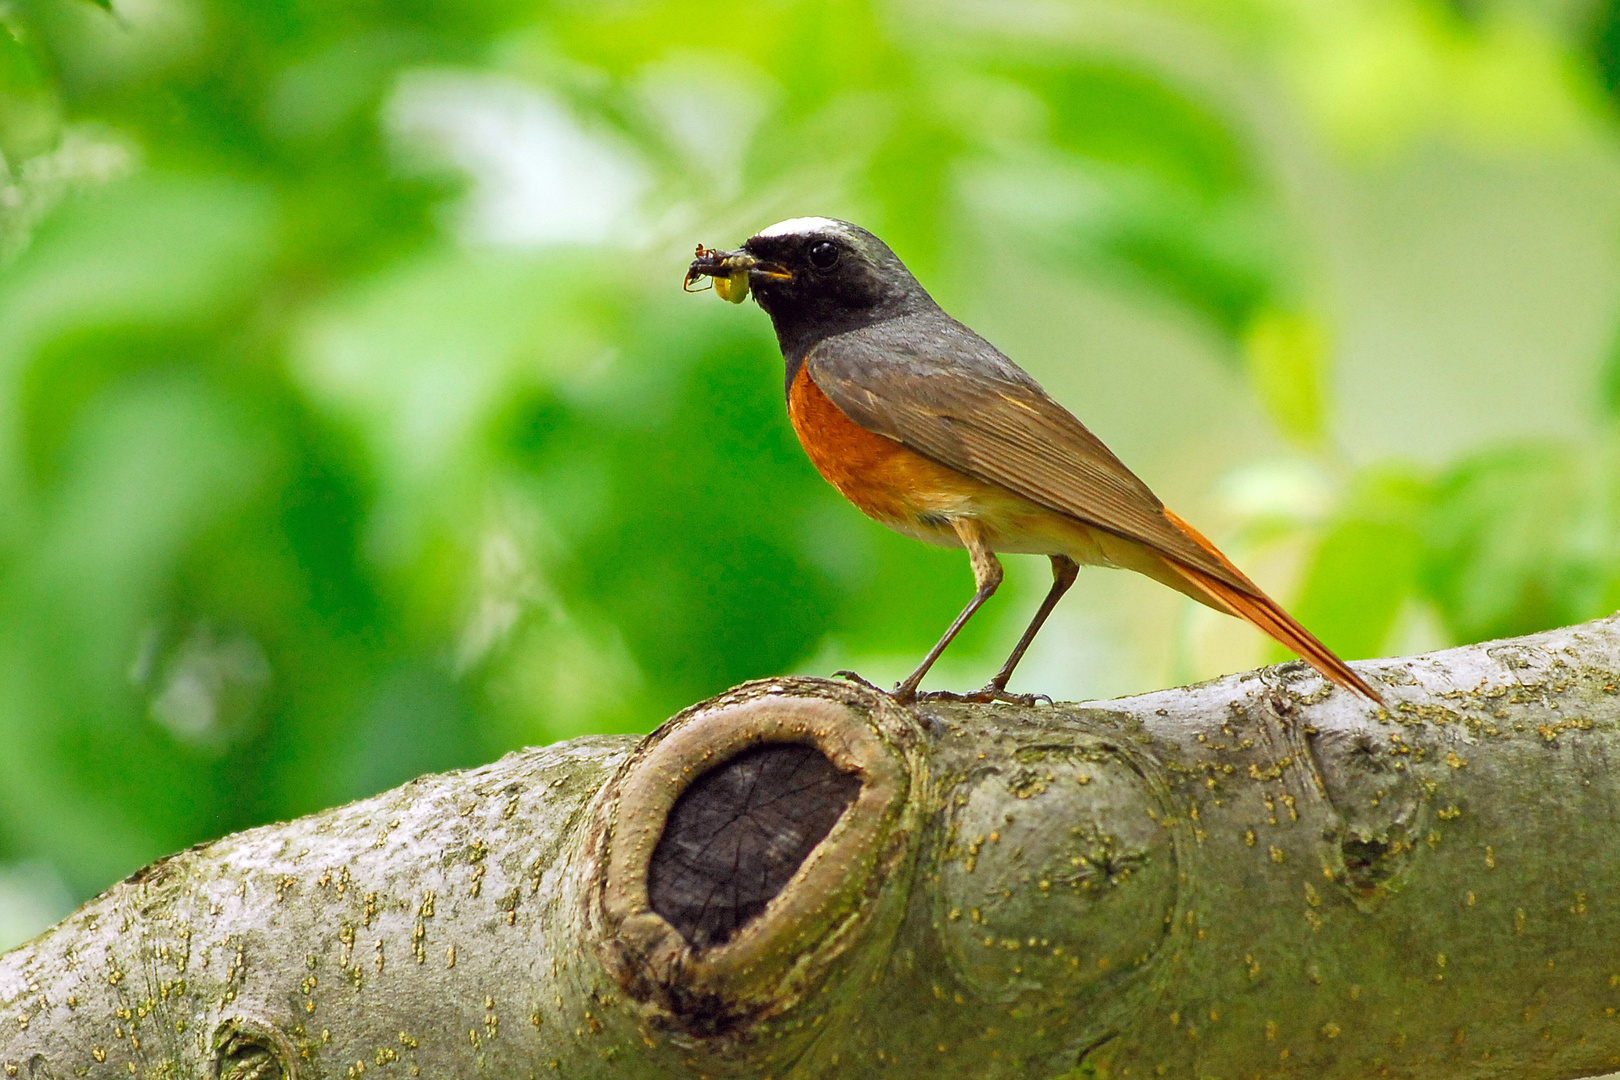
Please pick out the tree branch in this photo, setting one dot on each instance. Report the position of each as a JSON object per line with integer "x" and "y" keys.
{"x": 1254, "y": 876}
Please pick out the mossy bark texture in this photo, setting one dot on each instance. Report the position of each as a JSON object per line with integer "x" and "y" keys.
{"x": 1255, "y": 877}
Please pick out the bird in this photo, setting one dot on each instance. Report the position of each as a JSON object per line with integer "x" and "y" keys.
{"x": 930, "y": 430}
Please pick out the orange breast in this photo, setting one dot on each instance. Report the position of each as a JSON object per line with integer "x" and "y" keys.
{"x": 885, "y": 479}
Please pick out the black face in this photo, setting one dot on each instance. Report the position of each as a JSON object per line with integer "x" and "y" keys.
{"x": 838, "y": 277}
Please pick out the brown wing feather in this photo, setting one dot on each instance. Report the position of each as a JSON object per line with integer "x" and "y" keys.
{"x": 983, "y": 416}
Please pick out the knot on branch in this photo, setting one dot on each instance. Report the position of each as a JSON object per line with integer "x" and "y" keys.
{"x": 738, "y": 834}
{"x": 747, "y": 846}
{"x": 245, "y": 1049}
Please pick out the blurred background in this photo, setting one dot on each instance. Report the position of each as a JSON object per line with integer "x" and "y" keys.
{"x": 353, "y": 423}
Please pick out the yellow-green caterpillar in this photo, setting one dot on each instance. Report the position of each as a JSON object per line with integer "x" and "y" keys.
{"x": 733, "y": 287}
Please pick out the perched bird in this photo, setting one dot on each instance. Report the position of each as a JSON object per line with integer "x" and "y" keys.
{"x": 927, "y": 428}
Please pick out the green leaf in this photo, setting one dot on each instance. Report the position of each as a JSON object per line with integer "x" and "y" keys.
{"x": 1605, "y": 45}
{"x": 1127, "y": 116}
{"x": 30, "y": 114}
{"x": 1287, "y": 356}
{"x": 159, "y": 248}
{"x": 1366, "y": 565}
{"x": 1523, "y": 539}
{"x": 1609, "y": 388}
{"x": 909, "y": 189}
{"x": 1153, "y": 187}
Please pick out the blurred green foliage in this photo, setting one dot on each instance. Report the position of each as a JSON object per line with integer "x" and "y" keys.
{"x": 352, "y": 427}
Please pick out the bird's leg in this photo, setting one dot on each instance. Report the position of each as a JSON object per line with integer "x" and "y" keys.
{"x": 987, "y": 572}
{"x": 1064, "y": 571}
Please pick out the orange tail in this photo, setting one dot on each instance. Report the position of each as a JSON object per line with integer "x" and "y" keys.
{"x": 1262, "y": 611}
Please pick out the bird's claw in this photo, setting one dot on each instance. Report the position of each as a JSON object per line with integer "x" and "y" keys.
{"x": 905, "y": 695}
{"x": 985, "y": 695}
{"x": 1026, "y": 700}
{"x": 845, "y": 673}
{"x": 902, "y": 694}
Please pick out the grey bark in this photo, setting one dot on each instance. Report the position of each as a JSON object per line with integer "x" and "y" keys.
{"x": 1258, "y": 876}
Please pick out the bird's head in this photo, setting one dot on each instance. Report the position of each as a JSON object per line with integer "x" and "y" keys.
{"x": 814, "y": 277}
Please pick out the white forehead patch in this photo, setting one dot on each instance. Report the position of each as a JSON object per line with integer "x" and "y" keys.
{"x": 801, "y": 226}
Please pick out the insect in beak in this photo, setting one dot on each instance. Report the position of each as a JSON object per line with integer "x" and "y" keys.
{"x": 730, "y": 271}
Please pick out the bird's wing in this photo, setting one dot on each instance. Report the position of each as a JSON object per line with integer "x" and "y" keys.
{"x": 940, "y": 389}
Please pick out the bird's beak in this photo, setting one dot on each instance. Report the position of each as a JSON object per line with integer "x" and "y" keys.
{"x": 732, "y": 271}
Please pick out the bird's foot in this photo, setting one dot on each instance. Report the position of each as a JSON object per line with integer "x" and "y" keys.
{"x": 845, "y": 673}
{"x": 986, "y": 694}
{"x": 1026, "y": 700}
{"x": 902, "y": 693}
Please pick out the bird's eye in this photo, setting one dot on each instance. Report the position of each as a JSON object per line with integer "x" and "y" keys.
{"x": 823, "y": 255}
